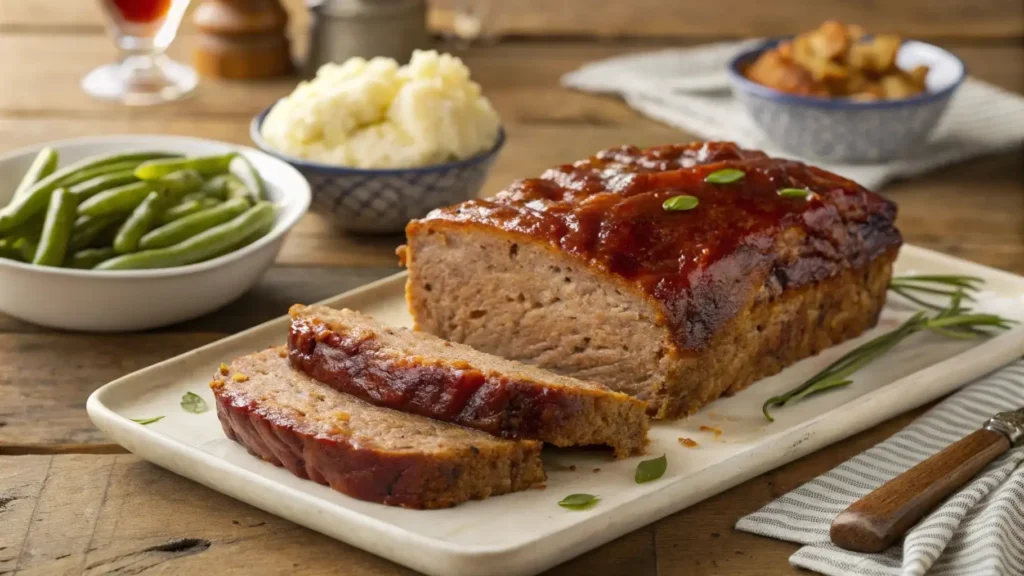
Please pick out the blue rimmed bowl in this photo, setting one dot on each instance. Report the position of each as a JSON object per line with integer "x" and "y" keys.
{"x": 383, "y": 201}
{"x": 845, "y": 130}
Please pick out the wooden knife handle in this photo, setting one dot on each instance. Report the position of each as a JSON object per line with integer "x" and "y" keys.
{"x": 877, "y": 520}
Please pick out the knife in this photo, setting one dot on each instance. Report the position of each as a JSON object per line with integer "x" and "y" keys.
{"x": 877, "y": 520}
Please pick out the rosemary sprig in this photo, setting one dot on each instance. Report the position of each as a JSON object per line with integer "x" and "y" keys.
{"x": 954, "y": 321}
{"x": 910, "y": 287}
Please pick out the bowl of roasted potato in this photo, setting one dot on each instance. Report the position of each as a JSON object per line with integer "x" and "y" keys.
{"x": 839, "y": 94}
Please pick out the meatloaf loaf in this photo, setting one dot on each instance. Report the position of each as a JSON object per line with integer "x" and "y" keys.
{"x": 585, "y": 271}
{"x": 422, "y": 374}
{"x": 285, "y": 417}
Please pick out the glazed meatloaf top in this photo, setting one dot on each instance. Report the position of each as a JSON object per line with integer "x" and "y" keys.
{"x": 365, "y": 451}
{"x": 695, "y": 264}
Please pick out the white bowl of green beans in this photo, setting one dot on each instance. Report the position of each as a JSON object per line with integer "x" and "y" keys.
{"x": 125, "y": 233}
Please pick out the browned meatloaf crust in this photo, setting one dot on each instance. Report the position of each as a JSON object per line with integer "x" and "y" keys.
{"x": 584, "y": 272}
{"x": 367, "y": 452}
{"x": 422, "y": 374}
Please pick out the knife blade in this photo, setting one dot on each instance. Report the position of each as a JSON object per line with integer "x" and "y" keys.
{"x": 877, "y": 520}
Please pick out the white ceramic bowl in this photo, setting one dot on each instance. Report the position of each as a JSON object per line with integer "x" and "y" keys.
{"x": 129, "y": 300}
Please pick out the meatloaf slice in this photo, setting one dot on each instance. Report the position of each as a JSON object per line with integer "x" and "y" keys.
{"x": 585, "y": 272}
{"x": 285, "y": 417}
{"x": 420, "y": 373}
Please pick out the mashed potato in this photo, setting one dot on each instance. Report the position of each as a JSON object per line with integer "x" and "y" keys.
{"x": 375, "y": 114}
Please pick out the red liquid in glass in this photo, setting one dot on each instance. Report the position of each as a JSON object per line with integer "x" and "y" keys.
{"x": 142, "y": 11}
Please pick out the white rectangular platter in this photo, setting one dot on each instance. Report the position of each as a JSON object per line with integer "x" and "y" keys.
{"x": 527, "y": 532}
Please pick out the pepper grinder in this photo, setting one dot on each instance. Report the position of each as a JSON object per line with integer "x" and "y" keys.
{"x": 242, "y": 39}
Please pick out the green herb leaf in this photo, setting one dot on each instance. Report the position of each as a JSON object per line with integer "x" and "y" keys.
{"x": 578, "y": 501}
{"x": 726, "y": 176}
{"x": 649, "y": 470}
{"x": 680, "y": 203}
{"x": 193, "y": 403}
{"x": 145, "y": 421}
{"x": 794, "y": 192}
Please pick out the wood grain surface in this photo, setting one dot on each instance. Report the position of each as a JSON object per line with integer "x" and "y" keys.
{"x": 72, "y": 503}
{"x": 637, "y": 18}
{"x": 740, "y": 18}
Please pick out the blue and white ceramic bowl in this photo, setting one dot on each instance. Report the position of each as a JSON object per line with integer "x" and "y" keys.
{"x": 844, "y": 130}
{"x": 383, "y": 201}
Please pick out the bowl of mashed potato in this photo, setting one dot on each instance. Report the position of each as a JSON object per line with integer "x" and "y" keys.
{"x": 381, "y": 143}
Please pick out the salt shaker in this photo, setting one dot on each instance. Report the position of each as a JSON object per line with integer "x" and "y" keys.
{"x": 343, "y": 29}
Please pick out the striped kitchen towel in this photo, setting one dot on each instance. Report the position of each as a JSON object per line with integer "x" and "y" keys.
{"x": 977, "y": 532}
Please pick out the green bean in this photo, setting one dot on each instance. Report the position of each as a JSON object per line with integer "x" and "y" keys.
{"x": 19, "y": 249}
{"x": 141, "y": 220}
{"x": 43, "y": 165}
{"x": 202, "y": 246}
{"x": 89, "y": 230}
{"x": 205, "y": 165}
{"x": 252, "y": 179}
{"x": 28, "y": 247}
{"x": 186, "y": 208}
{"x": 90, "y": 257}
{"x": 254, "y": 236}
{"x": 95, "y": 171}
{"x": 89, "y": 188}
{"x": 237, "y": 189}
{"x": 197, "y": 196}
{"x": 30, "y": 229}
{"x": 188, "y": 226}
{"x": 9, "y": 249}
{"x": 216, "y": 187}
{"x": 181, "y": 183}
{"x": 60, "y": 217}
{"x": 35, "y": 199}
{"x": 120, "y": 200}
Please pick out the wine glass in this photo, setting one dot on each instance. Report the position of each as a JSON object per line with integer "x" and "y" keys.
{"x": 142, "y": 30}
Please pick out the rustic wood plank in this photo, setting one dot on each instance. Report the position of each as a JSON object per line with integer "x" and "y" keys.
{"x": 280, "y": 288}
{"x": 640, "y": 18}
{"x": 55, "y": 86}
{"x": 632, "y": 554}
{"x": 112, "y": 514}
{"x": 46, "y": 378}
{"x": 318, "y": 241}
{"x": 974, "y": 210}
{"x": 737, "y": 18}
{"x": 29, "y": 13}
{"x": 19, "y": 494}
{"x": 84, "y": 514}
{"x": 60, "y": 531}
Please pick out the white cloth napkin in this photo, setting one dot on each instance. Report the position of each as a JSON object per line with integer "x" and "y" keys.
{"x": 687, "y": 88}
{"x": 978, "y": 531}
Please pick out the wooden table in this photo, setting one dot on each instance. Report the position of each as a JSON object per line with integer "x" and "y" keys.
{"x": 71, "y": 502}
